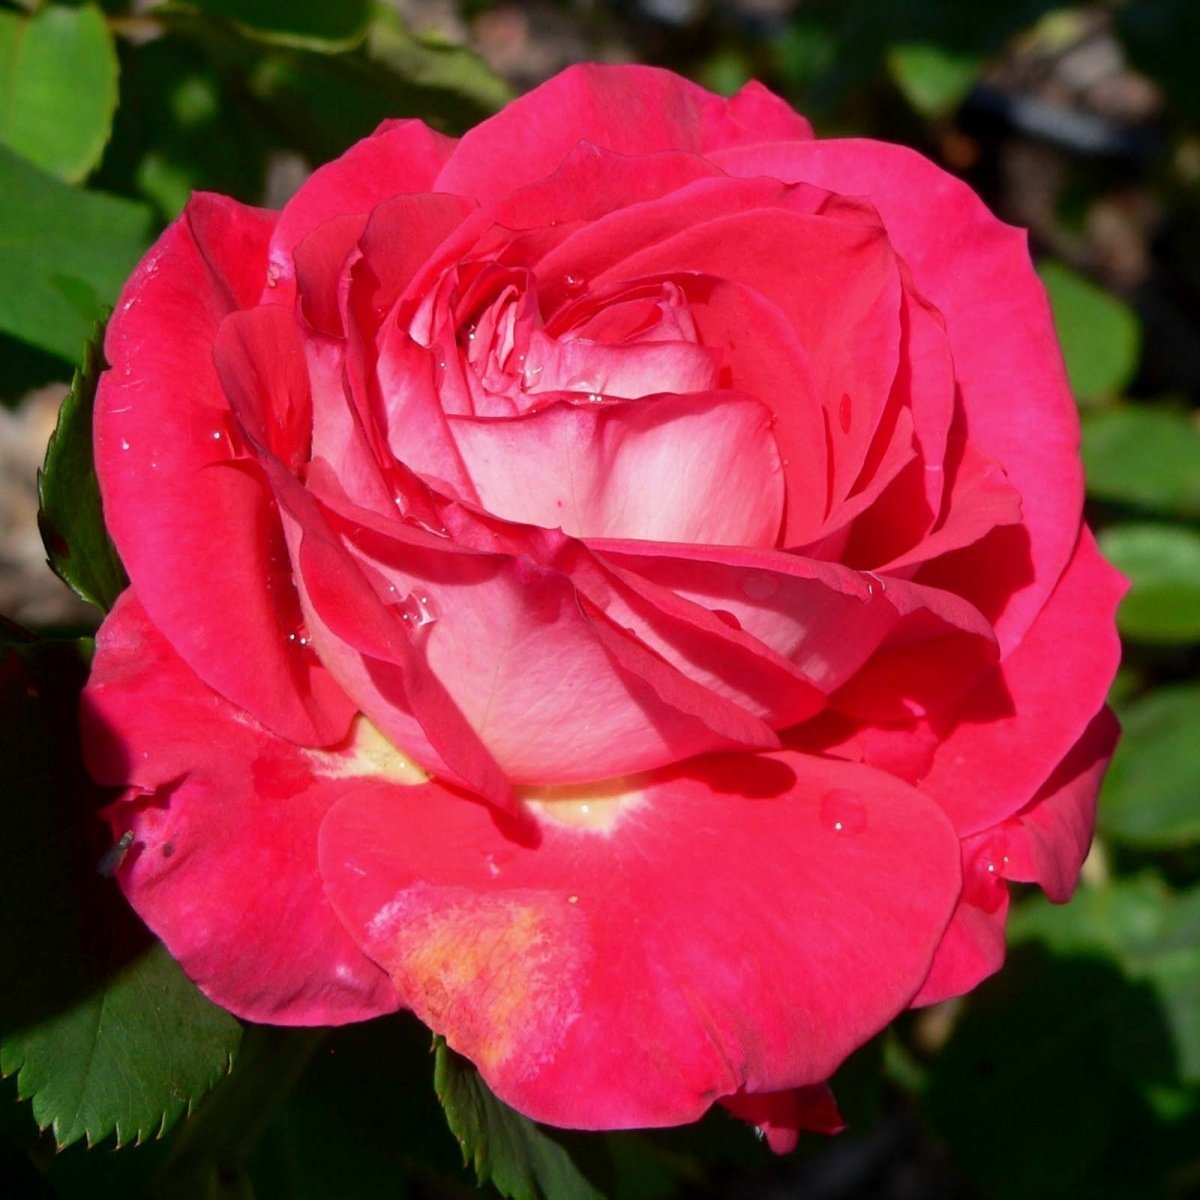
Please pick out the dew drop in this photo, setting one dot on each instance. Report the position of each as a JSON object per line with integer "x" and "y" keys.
{"x": 760, "y": 585}
{"x": 124, "y": 444}
{"x": 573, "y": 283}
{"x": 572, "y": 899}
{"x": 273, "y": 275}
{"x": 300, "y": 637}
{"x": 418, "y": 611}
{"x": 843, "y": 812}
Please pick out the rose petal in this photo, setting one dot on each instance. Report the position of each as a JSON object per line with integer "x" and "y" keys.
{"x": 369, "y": 649}
{"x": 617, "y": 931}
{"x": 1016, "y": 728}
{"x": 831, "y": 622}
{"x": 1046, "y": 844}
{"x": 402, "y": 157}
{"x": 706, "y": 645}
{"x": 780, "y": 1116}
{"x": 225, "y": 816}
{"x": 1008, "y": 365}
{"x": 1048, "y": 840}
{"x": 711, "y": 458}
{"x": 979, "y": 499}
{"x": 191, "y": 516}
{"x": 973, "y": 946}
{"x": 629, "y": 109}
{"x": 846, "y": 318}
{"x": 556, "y": 692}
{"x": 620, "y": 372}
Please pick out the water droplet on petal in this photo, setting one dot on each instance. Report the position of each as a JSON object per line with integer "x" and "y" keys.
{"x": 760, "y": 585}
{"x": 273, "y": 273}
{"x": 300, "y": 637}
{"x": 418, "y": 611}
{"x": 573, "y": 283}
{"x": 842, "y": 811}
{"x": 124, "y": 444}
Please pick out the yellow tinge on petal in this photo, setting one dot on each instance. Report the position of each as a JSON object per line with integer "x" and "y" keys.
{"x": 368, "y": 753}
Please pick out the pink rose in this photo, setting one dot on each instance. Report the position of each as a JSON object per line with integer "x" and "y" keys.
{"x": 613, "y": 584}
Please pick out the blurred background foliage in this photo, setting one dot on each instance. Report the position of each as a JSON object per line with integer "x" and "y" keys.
{"x": 1076, "y": 1072}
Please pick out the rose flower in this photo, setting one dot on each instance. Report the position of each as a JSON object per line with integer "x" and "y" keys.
{"x": 613, "y": 584}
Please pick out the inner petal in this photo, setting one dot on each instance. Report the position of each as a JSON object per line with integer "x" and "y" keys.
{"x": 701, "y": 468}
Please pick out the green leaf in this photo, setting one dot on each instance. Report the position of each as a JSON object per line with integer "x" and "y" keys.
{"x": 932, "y": 78}
{"x": 310, "y": 24}
{"x": 103, "y": 1029}
{"x": 58, "y": 87}
{"x": 70, "y": 516}
{"x": 327, "y": 102}
{"x": 509, "y": 1150}
{"x": 1100, "y": 335}
{"x": 64, "y": 255}
{"x": 1150, "y": 795}
{"x": 184, "y": 125}
{"x": 1163, "y": 564}
{"x": 1148, "y": 457}
{"x": 430, "y": 63}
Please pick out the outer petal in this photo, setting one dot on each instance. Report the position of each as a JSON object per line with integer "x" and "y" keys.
{"x": 973, "y": 947}
{"x": 1044, "y": 844}
{"x": 600, "y": 968}
{"x": 1048, "y": 840}
{"x": 191, "y": 516}
{"x": 1009, "y": 368}
{"x": 1015, "y": 728}
{"x": 780, "y": 1116}
{"x": 403, "y": 156}
{"x": 225, "y": 816}
{"x": 632, "y": 110}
